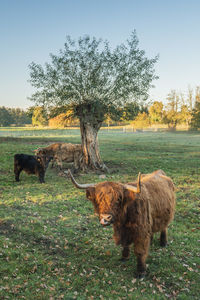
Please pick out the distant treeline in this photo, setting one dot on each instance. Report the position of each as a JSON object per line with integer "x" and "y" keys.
{"x": 14, "y": 116}
{"x": 178, "y": 109}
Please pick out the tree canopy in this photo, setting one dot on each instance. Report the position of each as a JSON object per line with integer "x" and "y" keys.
{"x": 95, "y": 81}
{"x": 89, "y": 72}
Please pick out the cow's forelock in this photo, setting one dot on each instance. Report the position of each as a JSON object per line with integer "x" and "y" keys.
{"x": 108, "y": 201}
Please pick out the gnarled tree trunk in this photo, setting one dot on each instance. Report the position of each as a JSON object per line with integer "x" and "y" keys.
{"x": 91, "y": 156}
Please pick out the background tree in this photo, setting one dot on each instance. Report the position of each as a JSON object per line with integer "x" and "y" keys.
{"x": 156, "y": 112}
{"x": 130, "y": 111}
{"x": 5, "y": 117}
{"x": 13, "y": 116}
{"x": 64, "y": 120}
{"x": 195, "y": 122}
{"x": 185, "y": 115}
{"x": 39, "y": 117}
{"x": 190, "y": 99}
{"x": 187, "y": 104}
{"x": 142, "y": 120}
{"x": 95, "y": 81}
{"x": 19, "y": 116}
{"x": 171, "y": 112}
{"x": 30, "y": 111}
{"x": 119, "y": 115}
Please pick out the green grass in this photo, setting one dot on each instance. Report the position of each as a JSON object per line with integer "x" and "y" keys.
{"x": 52, "y": 245}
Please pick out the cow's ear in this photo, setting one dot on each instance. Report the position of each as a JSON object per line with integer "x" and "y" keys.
{"x": 90, "y": 193}
{"x": 38, "y": 158}
{"x": 128, "y": 196}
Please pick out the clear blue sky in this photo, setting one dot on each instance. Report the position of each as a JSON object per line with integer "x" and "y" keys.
{"x": 31, "y": 29}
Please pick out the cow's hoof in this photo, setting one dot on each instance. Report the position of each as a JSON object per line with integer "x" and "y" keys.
{"x": 124, "y": 259}
{"x": 163, "y": 245}
{"x": 141, "y": 275}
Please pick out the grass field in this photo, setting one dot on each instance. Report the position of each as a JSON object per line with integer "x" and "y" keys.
{"x": 52, "y": 245}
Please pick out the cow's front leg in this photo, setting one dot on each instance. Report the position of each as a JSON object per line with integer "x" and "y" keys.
{"x": 163, "y": 238}
{"x": 141, "y": 250}
{"x": 125, "y": 253}
{"x": 41, "y": 178}
{"x": 58, "y": 161}
{"x": 141, "y": 266}
{"x": 52, "y": 163}
{"x": 60, "y": 165}
{"x": 17, "y": 173}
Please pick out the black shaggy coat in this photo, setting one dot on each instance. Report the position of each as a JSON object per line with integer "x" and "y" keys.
{"x": 31, "y": 165}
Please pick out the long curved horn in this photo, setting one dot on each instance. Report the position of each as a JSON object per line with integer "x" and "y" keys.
{"x": 78, "y": 185}
{"x": 134, "y": 189}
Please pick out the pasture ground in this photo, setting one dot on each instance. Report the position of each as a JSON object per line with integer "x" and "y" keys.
{"x": 52, "y": 245}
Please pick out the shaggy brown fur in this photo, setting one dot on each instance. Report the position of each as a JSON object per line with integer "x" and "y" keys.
{"x": 62, "y": 152}
{"x": 136, "y": 216}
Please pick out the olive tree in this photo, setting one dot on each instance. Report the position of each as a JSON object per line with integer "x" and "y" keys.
{"x": 95, "y": 81}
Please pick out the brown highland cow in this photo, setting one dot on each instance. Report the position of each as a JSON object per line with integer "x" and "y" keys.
{"x": 62, "y": 152}
{"x": 137, "y": 210}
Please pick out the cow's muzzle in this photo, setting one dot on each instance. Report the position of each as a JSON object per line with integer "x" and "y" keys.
{"x": 106, "y": 219}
